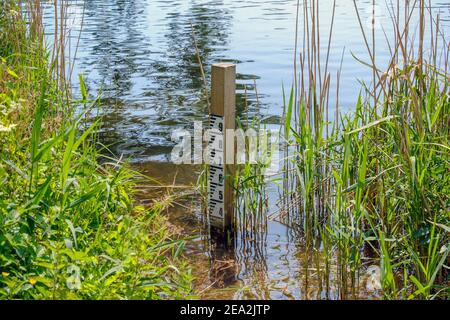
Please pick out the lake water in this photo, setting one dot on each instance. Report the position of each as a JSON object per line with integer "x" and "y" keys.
{"x": 141, "y": 55}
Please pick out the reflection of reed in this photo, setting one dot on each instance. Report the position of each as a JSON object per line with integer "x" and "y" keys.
{"x": 251, "y": 256}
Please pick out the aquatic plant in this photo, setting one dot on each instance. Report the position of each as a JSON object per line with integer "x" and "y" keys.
{"x": 378, "y": 177}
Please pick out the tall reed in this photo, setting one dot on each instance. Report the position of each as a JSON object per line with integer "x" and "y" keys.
{"x": 376, "y": 180}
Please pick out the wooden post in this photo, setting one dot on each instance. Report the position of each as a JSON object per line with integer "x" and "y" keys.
{"x": 222, "y": 118}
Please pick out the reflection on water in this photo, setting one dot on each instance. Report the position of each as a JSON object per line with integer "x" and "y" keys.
{"x": 141, "y": 55}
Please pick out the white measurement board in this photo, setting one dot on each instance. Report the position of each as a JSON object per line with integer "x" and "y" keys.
{"x": 216, "y": 183}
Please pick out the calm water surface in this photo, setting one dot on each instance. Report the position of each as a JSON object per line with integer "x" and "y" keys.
{"x": 141, "y": 55}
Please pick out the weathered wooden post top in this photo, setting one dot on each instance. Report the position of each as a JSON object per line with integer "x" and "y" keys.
{"x": 222, "y": 152}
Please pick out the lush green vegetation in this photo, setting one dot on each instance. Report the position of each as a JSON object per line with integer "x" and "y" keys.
{"x": 378, "y": 178}
{"x": 368, "y": 188}
{"x": 68, "y": 225}
{"x": 371, "y": 187}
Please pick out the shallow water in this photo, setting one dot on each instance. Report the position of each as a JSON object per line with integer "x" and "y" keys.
{"x": 269, "y": 265}
{"x": 141, "y": 55}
